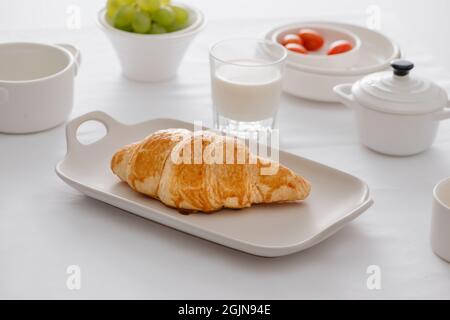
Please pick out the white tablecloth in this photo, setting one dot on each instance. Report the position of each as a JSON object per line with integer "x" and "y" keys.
{"x": 45, "y": 226}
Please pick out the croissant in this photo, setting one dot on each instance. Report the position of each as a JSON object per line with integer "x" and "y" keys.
{"x": 167, "y": 166}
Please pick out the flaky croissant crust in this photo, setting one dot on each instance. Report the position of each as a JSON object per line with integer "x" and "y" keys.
{"x": 167, "y": 167}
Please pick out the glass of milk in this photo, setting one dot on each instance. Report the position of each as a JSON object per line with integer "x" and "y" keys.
{"x": 246, "y": 77}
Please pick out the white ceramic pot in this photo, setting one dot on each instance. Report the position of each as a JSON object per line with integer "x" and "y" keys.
{"x": 396, "y": 114}
{"x": 36, "y": 85}
{"x": 152, "y": 57}
{"x": 440, "y": 222}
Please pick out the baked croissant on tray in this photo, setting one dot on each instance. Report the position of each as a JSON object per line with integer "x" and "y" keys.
{"x": 204, "y": 171}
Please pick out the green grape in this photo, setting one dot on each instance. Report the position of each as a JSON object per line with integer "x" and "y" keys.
{"x": 165, "y": 2}
{"x": 149, "y": 5}
{"x": 117, "y": 3}
{"x": 164, "y": 16}
{"x": 181, "y": 19}
{"x": 111, "y": 8}
{"x": 124, "y": 2}
{"x": 127, "y": 28}
{"x": 181, "y": 16}
{"x": 110, "y": 13}
{"x": 113, "y": 5}
{"x": 141, "y": 22}
{"x": 124, "y": 17}
{"x": 157, "y": 29}
{"x": 174, "y": 27}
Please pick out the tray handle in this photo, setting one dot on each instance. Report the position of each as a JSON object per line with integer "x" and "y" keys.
{"x": 72, "y": 127}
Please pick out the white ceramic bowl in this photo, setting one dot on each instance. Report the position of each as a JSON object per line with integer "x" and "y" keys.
{"x": 375, "y": 54}
{"x": 36, "y": 85}
{"x": 152, "y": 57}
{"x": 440, "y": 222}
{"x": 320, "y": 58}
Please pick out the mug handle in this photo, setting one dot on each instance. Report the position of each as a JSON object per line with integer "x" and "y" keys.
{"x": 76, "y": 53}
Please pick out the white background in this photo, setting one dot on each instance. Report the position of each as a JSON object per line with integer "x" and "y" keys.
{"x": 45, "y": 226}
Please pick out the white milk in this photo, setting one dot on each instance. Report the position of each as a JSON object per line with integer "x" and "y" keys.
{"x": 246, "y": 93}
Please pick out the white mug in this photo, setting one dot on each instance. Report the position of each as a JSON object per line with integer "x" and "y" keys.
{"x": 440, "y": 223}
{"x": 36, "y": 85}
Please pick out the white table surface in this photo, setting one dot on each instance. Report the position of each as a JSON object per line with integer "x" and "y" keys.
{"x": 45, "y": 226}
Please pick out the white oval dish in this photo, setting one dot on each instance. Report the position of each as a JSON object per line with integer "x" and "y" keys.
{"x": 36, "y": 85}
{"x": 264, "y": 230}
{"x": 375, "y": 54}
{"x": 319, "y": 58}
{"x": 152, "y": 57}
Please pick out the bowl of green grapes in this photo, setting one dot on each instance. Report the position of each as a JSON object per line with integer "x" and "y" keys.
{"x": 150, "y": 37}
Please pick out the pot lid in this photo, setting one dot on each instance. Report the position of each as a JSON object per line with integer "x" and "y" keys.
{"x": 400, "y": 92}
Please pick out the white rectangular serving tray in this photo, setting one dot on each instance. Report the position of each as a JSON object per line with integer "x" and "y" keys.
{"x": 263, "y": 230}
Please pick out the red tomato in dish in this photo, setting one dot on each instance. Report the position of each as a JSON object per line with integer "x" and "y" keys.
{"x": 312, "y": 40}
{"x": 339, "y": 47}
{"x": 291, "y": 38}
{"x": 295, "y": 47}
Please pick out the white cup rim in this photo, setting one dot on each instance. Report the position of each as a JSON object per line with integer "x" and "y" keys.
{"x": 436, "y": 191}
{"x": 70, "y": 61}
{"x": 198, "y": 25}
{"x": 282, "y": 59}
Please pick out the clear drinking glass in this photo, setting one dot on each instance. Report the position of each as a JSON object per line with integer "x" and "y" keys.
{"x": 246, "y": 83}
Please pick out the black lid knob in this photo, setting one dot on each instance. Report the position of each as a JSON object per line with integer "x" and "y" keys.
{"x": 402, "y": 67}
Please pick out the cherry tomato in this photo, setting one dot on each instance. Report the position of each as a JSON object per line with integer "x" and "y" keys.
{"x": 295, "y": 47}
{"x": 312, "y": 40}
{"x": 291, "y": 38}
{"x": 339, "y": 47}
